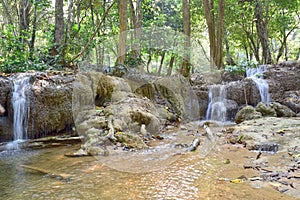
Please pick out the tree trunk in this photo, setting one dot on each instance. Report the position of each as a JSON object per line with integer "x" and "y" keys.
{"x": 209, "y": 16}
{"x": 123, "y": 34}
{"x": 59, "y": 26}
{"x": 136, "y": 25}
{"x": 261, "y": 26}
{"x": 220, "y": 34}
{"x": 148, "y": 62}
{"x": 24, "y": 21}
{"x": 161, "y": 62}
{"x": 215, "y": 31}
{"x": 33, "y": 34}
{"x": 172, "y": 60}
{"x": 68, "y": 30}
{"x": 186, "y": 63}
{"x": 229, "y": 59}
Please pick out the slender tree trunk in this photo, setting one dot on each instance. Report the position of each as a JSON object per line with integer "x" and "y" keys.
{"x": 186, "y": 64}
{"x": 229, "y": 59}
{"x": 172, "y": 60}
{"x": 59, "y": 26}
{"x": 148, "y": 62}
{"x": 123, "y": 32}
{"x": 261, "y": 26}
{"x": 33, "y": 34}
{"x": 209, "y": 16}
{"x": 24, "y": 21}
{"x": 136, "y": 25}
{"x": 161, "y": 62}
{"x": 68, "y": 30}
{"x": 215, "y": 31}
{"x": 298, "y": 55}
{"x": 220, "y": 34}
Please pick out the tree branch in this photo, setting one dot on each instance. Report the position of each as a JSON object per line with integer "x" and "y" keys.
{"x": 94, "y": 34}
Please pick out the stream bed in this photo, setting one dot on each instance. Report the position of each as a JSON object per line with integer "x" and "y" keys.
{"x": 183, "y": 175}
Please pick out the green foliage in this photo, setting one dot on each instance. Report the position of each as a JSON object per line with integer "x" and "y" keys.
{"x": 240, "y": 67}
{"x": 15, "y": 55}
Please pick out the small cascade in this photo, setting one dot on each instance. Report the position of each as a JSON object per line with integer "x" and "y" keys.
{"x": 216, "y": 108}
{"x": 256, "y": 74}
{"x": 20, "y": 111}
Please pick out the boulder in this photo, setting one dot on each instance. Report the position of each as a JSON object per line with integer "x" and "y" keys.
{"x": 284, "y": 83}
{"x": 247, "y": 113}
{"x": 50, "y": 99}
{"x": 130, "y": 140}
{"x": 49, "y": 104}
{"x": 282, "y": 110}
{"x": 265, "y": 110}
{"x": 291, "y": 99}
{"x": 243, "y": 92}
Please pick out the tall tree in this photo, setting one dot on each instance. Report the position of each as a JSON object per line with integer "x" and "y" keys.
{"x": 24, "y": 18}
{"x": 123, "y": 32}
{"x": 136, "y": 16}
{"x": 215, "y": 24}
{"x": 59, "y": 26}
{"x": 262, "y": 29}
{"x": 186, "y": 65}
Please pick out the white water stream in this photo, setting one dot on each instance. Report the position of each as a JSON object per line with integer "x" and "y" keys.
{"x": 216, "y": 108}
{"x": 20, "y": 111}
{"x": 256, "y": 74}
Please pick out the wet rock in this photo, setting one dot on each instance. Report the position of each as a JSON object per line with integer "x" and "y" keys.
{"x": 265, "y": 111}
{"x": 292, "y": 100}
{"x": 265, "y": 147}
{"x": 50, "y": 104}
{"x": 247, "y": 113}
{"x": 5, "y": 94}
{"x": 261, "y": 134}
{"x": 130, "y": 140}
{"x": 282, "y": 110}
{"x": 243, "y": 92}
{"x": 6, "y": 132}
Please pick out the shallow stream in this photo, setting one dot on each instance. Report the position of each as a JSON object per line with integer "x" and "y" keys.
{"x": 188, "y": 175}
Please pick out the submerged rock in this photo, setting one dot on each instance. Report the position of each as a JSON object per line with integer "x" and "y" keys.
{"x": 247, "y": 113}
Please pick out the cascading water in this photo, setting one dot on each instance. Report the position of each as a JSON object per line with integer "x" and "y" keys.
{"x": 20, "y": 111}
{"x": 256, "y": 74}
{"x": 216, "y": 108}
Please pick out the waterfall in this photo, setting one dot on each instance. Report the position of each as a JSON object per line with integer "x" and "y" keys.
{"x": 256, "y": 74}
{"x": 20, "y": 111}
{"x": 216, "y": 108}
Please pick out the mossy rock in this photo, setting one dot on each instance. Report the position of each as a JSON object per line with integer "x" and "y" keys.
{"x": 146, "y": 90}
{"x": 265, "y": 111}
{"x": 247, "y": 113}
{"x": 282, "y": 110}
{"x": 130, "y": 140}
{"x": 104, "y": 91}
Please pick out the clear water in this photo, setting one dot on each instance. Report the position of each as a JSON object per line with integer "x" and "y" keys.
{"x": 216, "y": 108}
{"x": 256, "y": 74}
{"x": 20, "y": 111}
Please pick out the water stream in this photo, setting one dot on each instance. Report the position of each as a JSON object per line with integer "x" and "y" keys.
{"x": 216, "y": 108}
{"x": 20, "y": 111}
{"x": 256, "y": 74}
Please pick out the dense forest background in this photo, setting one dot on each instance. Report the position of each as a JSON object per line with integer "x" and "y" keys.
{"x": 160, "y": 37}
